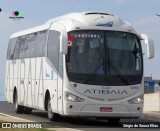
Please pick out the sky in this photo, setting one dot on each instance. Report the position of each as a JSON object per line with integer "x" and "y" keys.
{"x": 139, "y": 13}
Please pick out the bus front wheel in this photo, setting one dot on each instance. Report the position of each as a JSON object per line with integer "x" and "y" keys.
{"x": 51, "y": 115}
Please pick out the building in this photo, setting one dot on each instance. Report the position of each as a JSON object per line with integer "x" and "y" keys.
{"x": 151, "y": 85}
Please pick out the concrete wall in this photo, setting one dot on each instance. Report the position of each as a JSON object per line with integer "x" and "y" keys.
{"x": 152, "y": 102}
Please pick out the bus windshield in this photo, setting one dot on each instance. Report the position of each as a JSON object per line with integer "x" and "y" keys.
{"x": 104, "y": 58}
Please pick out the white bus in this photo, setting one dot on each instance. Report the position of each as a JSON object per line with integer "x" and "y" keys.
{"x": 85, "y": 64}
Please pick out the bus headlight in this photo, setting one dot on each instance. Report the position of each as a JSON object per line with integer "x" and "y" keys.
{"x": 71, "y": 97}
{"x": 137, "y": 100}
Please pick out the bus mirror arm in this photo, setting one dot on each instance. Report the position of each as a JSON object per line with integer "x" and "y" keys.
{"x": 150, "y": 45}
{"x": 63, "y": 42}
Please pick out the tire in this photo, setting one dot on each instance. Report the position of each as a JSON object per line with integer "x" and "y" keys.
{"x": 51, "y": 116}
{"x": 18, "y": 108}
{"x": 27, "y": 110}
{"x": 113, "y": 121}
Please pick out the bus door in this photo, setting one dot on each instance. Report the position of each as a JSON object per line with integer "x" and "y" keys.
{"x": 56, "y": 59}
{"x": 60, "y": 84}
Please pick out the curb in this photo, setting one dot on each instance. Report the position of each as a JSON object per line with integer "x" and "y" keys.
{"x": 151, "y": 116}
{"x": 10, "y": 118}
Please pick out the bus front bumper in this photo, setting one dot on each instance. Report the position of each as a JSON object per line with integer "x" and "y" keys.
{"x": 133, "y": 111}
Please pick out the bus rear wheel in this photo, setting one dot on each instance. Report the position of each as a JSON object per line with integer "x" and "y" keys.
{"x": 18, "y": 108}
{"x": 51, "y": 115}
{"x": 27, "y": 110}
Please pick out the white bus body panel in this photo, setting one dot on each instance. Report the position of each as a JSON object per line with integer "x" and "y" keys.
{"x": 92, "y": 103}
{"x": 51, "y": 84}
{"x": 22, "y": 85}
{"x": 34, "y": 76}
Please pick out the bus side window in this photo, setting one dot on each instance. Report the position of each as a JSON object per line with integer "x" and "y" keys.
{"x": 17, "y": 47}
{"x": 53, "y": 48}
{"x": 9, "y": 55}
{"x": 11, "y": 48}
{"x": 40, "y": 44}
{"x": 21, "y": 47}
{"x": 33, "y": 45}
{"x": 27, "y": 46}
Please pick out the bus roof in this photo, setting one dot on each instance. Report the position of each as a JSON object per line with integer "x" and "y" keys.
{"x": 79, "y": 16}
{"x": 87, "y": 19}
{"x": 90, "y": 19}
{"x": 31, "y": 30}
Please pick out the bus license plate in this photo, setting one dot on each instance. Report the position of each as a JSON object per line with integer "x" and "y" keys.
{"x": 106, "y": 109}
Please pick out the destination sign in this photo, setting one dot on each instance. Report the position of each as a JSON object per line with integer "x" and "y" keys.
{"x": 87, "y": 35}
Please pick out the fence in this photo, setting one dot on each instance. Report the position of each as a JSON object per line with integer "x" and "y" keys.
{"x": 151, "y": 89}
{"x": 152, "y": 102}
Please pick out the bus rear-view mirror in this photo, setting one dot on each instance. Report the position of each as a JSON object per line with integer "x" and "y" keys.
{"x": 150, "y": 45}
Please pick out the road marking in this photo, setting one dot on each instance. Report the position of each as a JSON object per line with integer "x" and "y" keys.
{"x": 2, "y": 114}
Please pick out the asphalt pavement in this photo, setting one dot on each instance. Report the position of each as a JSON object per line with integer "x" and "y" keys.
{"x": 7, "y": 114}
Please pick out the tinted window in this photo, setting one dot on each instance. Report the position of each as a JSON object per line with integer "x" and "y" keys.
{"x": 41, "y": 44}
{"x": 104, "y": 58}
{"x": 11, "y": 48}
{"x": 53, "y": 47}
{"x": 28, "y": 46}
